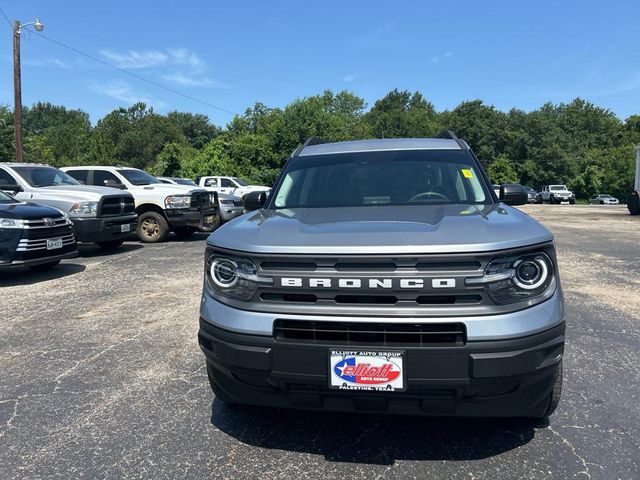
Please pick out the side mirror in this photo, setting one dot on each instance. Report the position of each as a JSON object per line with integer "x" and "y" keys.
{"x": 513, "y": 194}
{"x": 13, "y": 188}
{"x": 112, "y": 184}
{"x": 255, "y": 201}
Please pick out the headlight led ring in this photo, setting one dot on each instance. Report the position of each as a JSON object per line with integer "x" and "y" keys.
{"x": 224, "y": 272}
{"x": 530, "y": 273}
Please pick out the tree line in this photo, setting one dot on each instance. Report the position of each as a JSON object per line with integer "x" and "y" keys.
{"x": 578, "y": 144}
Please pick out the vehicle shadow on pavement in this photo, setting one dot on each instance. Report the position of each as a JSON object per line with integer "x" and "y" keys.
{"x": 25, "y": 276}
{"x": 370, "y": 439}
{"x": 94, "y": 251}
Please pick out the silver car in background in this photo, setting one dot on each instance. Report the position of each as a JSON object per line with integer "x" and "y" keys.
{"x": 230, "y": 206}
{"x": 603, "y": 199}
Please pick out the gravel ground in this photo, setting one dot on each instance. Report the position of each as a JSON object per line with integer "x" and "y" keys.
{"x": 102, "y": 377}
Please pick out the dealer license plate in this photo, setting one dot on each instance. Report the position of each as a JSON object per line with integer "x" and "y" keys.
{"x": 125, "y": 227}
{"x": 366, "y": 370}
{"x": 54, "y": 243}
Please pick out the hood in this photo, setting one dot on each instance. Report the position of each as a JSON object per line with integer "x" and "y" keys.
{"x": 79, "y": 192}
{"x": 170, "y": 188}
{"x": 27, "y": 211}
{"x": 381, "y": 230}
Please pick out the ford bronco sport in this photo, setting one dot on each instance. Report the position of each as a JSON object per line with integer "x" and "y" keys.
{"x": 385, "y": 276}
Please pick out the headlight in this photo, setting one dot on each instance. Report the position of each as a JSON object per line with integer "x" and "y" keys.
{"x": 233, "y": 277}
{"x": 178, "y": 201}
{"x": 226, "y": 202}
{"x": 518, "y": 278}
{"x": 11, "y": 223}
{"x": 88, "y": 209}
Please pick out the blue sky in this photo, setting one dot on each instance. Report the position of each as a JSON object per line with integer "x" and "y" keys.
{"x": 231, "y": 54}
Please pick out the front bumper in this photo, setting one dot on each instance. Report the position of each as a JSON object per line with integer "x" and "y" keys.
{"x": 503, "y": 378}
{"x": 179, "y": 218}
{"x": 230, "y": 212}
{"x": 39, "y": 261}
{"x": 103, "y": 229}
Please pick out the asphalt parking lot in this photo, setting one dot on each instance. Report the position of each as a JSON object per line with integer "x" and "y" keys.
{"x": 102, "y": 377}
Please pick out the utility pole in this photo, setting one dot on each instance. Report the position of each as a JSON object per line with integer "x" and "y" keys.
{"x": 17, "y": 84}
{"x": 17, "y": 91}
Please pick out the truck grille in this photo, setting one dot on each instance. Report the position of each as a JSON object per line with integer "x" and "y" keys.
{"x": 111, "y": 206}
{"x": 201, "y": 200}
{"x": 366, "y": 333}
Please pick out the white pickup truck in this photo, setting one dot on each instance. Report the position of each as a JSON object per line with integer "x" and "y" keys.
{"x": 100, "y": 215}
{"x": 161, "y": 208}
{"x": 230, "y": 185}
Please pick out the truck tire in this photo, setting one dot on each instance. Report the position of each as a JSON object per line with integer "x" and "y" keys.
{"x": 43, "y": 267}
{"x": 572, "y": 201}
{"x": 184, "y": 232}
{"x": 152, "y": 227}
{"x": 110, "y": 245}
{"x": 633, "y": 203}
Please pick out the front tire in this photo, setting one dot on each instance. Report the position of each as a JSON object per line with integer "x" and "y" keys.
{"x": 152, "y": 227}
{"x": 44, "y": 267}
{"x": 554, "y": 398}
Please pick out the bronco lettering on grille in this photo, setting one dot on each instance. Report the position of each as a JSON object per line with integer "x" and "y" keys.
{"x": 370, "y": 283}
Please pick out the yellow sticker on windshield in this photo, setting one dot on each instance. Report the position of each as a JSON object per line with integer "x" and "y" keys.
{"x": 467, "y": 173}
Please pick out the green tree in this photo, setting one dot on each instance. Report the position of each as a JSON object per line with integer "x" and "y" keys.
{"x": 402, "y": 114}
{"x": 501, "y": 170}
{"x": 172, "y": 159}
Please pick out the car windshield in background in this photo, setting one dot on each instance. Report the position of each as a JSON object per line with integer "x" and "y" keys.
{"x": 45, "y": 176}
{"x": 557, "y": 187}
{"x": 605, "y": 196}
{"x": 4, "y": 198}
{"x": 419, "y": 177}
{"x": 185, "y": 181}
{"x": 138, "y": 177}
{"x": 240, "y": 182}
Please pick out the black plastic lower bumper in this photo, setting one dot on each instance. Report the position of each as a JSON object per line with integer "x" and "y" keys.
{"x": 507, "y": 378}
{"x": 103, "y": 229}
{"x": 191, "y": 218}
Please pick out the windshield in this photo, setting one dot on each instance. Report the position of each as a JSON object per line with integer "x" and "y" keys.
{"x": 418, "y": 177}
{"x": 4, "y": 198}
{"x": 44, "y": 176}
{"x": 239, "y": 181}
{"x": 185, "y": 181}
{"x": 557, "y": 187}
{"x": 138, "y": 177}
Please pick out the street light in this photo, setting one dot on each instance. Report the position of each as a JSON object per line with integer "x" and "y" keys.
{"x": 17, "y": 87}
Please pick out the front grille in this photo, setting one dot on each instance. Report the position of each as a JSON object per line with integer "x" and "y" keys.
{"x": 30, "y": 245}
{"x": 238, "y": 203}
{"x": 44, "y": 233}
{"x": 370, "y": 334}
{"x": 44, "y": 222}
{"x": 201, "y": 200}
{"x": 111, "y": 206}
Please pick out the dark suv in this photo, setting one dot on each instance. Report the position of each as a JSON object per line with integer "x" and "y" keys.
{"x": 33, "y": 235}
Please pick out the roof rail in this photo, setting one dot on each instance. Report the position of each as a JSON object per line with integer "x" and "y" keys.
{"x": 452, "y": 136}
{"x": 313, "y": 141}
{"x": 307, "y": 143}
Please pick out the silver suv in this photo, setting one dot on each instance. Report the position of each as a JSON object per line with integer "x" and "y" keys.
{"x": 385, "y": 276}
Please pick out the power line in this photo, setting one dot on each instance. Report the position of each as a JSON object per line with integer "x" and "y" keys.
{"x": 6, "y": 18}
{"x": 134, "y": 75}
{"x": 126, "y": 72}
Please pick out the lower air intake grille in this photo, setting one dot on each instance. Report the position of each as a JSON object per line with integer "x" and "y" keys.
{"x": 374, "y": 334}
